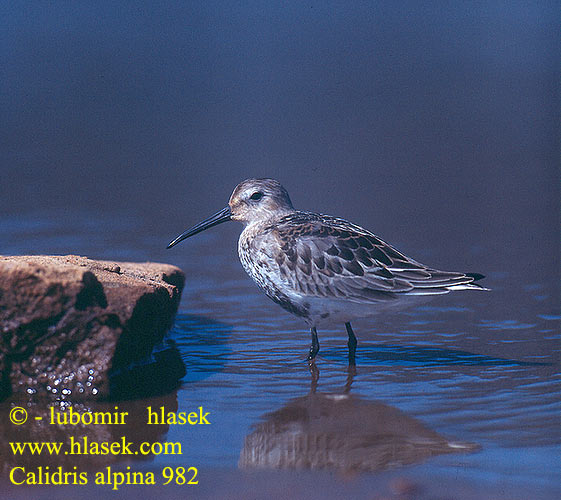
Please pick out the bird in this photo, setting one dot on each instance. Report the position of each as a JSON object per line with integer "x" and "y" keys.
{"x": 321, "y": 268}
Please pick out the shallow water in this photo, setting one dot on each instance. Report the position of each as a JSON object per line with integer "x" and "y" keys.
{"x": 436, "y": 128}
{"x": 470, "y": 380}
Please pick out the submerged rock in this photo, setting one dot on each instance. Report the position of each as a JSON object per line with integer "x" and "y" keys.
{"x": 73, "y": 326}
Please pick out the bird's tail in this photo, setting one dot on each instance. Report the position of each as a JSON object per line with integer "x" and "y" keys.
{"x": 472, "y": 285}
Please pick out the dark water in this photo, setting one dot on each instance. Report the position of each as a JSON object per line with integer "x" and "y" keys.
{"x": 436, "y": 128}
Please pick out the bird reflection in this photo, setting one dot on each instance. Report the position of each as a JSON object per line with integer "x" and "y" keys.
{"x": 314, "y": 373}
{"x": 341, "y": 431}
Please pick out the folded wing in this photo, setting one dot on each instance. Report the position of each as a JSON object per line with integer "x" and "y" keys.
{"x": 323, "y": 256}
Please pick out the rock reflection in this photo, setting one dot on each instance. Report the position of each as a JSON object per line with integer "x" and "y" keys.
{"x": 341, "y": 431}
{"x": 87, "y": 438}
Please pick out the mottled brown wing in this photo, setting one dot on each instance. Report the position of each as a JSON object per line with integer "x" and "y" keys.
{"x": 324, "y": 256}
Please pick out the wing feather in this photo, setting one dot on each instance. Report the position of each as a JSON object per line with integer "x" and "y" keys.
{"x": 323, "y": 256}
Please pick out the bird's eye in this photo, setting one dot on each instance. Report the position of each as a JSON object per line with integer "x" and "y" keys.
{"x": 256, "y": 196}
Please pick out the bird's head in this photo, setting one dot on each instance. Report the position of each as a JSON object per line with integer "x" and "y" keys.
{"x": 253, "y": 200}
{"x": 259, "y": 199}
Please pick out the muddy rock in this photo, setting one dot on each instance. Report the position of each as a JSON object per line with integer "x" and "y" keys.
{"x": 72, "y": 326}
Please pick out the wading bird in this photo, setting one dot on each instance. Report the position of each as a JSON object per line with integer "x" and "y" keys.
{"x": 322, "y": 268}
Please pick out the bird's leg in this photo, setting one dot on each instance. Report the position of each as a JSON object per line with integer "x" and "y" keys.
{"x": 314, "y": 348}
{"x": 351, "y": 343}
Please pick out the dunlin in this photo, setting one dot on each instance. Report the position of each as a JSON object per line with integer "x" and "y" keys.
{"x": 322, "y": 268}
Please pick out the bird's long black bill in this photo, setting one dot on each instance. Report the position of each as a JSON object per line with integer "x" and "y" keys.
{"x": 218, "y": 218}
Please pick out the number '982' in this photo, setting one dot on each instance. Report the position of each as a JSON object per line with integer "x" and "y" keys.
{"x": 180, "y": 475}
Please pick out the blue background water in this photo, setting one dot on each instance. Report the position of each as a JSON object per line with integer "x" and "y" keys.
{"x": 435, "y": 126}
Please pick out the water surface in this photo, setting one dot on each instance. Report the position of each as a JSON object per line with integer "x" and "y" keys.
{"x": 435, "y": 127}
{"x": 470, "y": 380}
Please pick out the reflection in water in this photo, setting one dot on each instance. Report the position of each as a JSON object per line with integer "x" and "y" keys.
{"x": 390, "y": 354}
{"x": 87, "y": 437}
{"x": 341, "y": 431}
{"x": 157, "y": 373}
{"x": 203, "y": 343}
